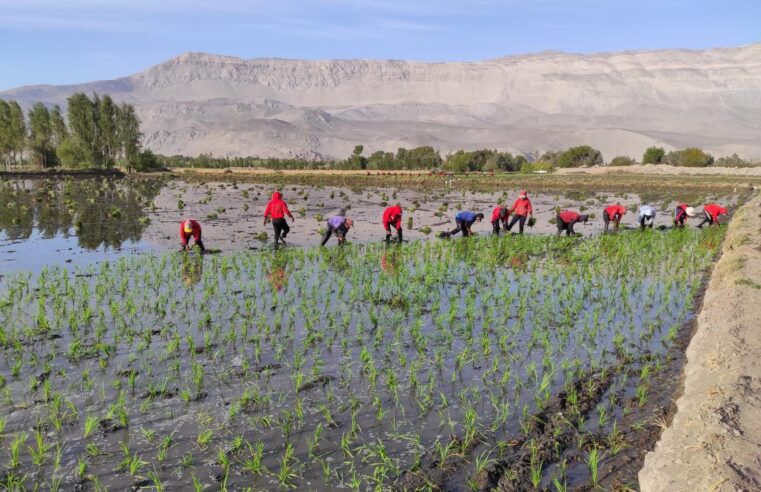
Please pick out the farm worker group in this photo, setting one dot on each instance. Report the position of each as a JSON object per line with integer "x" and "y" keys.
{"x": 521, "y": 211}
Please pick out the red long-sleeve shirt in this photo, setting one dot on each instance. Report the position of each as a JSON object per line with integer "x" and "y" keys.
{"x": 276, "y": 208}
{"x": 522, "y": 206}
{"x": 612, "y": 210}
{"x": 568, "y": 216}
{"x": 714, "y": 210}
{"x": 392, "y": 216}
{"x": 681, "y": 211}
{"x": 499, "y": 213}
{"x": 185, "y": 236}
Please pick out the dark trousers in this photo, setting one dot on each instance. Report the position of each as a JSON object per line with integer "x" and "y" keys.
{"x": 606, "y": 219}
{"x": 338, "y": 231}
{"x": 565, "y": 226}
{"x": 706, "y": 218}
{"x": 643, "y": 222}
{"x": 521, "y": 219}
{"x": 398, "y": 233}
{"x": 281, "y": 229}
{"x": 199, "y": 243}
{"x": 462, "y": 226}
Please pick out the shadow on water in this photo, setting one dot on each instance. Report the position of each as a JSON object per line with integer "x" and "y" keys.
{"x": 98, "y": 212}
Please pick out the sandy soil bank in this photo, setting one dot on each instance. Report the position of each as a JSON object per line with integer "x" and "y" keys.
{"x": 665, "y": 170}
{"x": 714, "y": 441}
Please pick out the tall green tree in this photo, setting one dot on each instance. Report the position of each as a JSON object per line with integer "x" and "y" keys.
{"x": 83, "y": 141}
{"x": 58, "y": 126}
{"x": 108, "y": 139}
{"x": 5, "y": 132}
{"x": 129, "y": 136}
{"x": 17, "y": 132}
{"x": 41, "y": 135}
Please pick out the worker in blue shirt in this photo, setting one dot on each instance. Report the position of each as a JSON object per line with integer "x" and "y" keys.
{"x": 464, "y": 220}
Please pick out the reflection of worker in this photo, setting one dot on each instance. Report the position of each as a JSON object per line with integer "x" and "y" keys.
{"x": 681, "y": 213}
{"x": 499, "y": 214}
{"x": 189, "y": 228}
{"x": 338, "y": 225}
{"x": 711, "y": 213}
{"x": 277, "y": 210}
{"x": 390, "y": 263}
{"x": 521, "y": 210}
{"x": 465, "y": 220}
{"x": 192, "y": 271}
{"x": 277, "y": 277}
{"x": 392, "y": 216}
{"x": 646, "y": 216}
{"x": 567, "y": 219}
{"x": 613, "y": 213}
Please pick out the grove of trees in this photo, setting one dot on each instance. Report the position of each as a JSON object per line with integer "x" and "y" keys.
{"x": 96, "y": 133}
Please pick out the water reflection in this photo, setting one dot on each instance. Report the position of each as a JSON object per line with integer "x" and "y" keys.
{"x": 99, "y": 212}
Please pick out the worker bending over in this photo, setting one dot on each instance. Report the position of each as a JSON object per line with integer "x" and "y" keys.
{"x": 613, "y": 213}
{"x": 392, "y": 216}
{"x": 338, "y": 225}
{"x": 499, "y": 214}
{"x": 464, "y": 220}
{"x": 711, "y": 213}
{"x": 681, "y": 213}
{"x": 646, "y": 217}
{"x": 567, "y": 219}
{"x": 190, "y": 228}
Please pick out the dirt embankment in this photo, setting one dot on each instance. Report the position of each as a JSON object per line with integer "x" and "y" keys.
{"x": 662, "y": 169}
{"x": 714, "y": 441}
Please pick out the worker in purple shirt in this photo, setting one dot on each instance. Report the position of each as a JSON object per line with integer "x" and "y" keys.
{"x": 464, "y": 220}
{"x": 338, "y": 225}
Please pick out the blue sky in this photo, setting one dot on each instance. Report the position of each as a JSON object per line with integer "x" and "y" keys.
{"x": 70, "y": 41}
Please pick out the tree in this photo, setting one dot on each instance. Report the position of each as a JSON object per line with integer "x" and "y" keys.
{"x": 16, "y": 131}
{"x": 5, "y": 132}
{"x": 460, "y": 161}
{"x": 128, "y": 131}
{"x": 58, "y": 126}
{"x": 653, "y": 155}
{"x": 622, "y": 160}
{"x": 579, "y": 156}
{"x": 689, "y": 157}
{"x": 41, "y": 135}
{"x": 357, "y": 161}
{"x": 71, "y": 155}
{"x": 84, "y": 131}
{"x": 108, "y": 139}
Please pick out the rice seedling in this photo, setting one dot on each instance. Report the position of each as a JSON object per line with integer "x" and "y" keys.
{"x": 464, "y": 339}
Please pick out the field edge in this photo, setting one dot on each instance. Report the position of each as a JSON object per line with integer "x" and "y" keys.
{"x": 714, "y": 440}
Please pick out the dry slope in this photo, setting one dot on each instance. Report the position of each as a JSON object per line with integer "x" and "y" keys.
{"x": 618, "y": 102}
{"x": 714, "y": 441}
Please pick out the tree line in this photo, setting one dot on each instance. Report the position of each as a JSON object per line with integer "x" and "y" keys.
{"x": 96, "y": 133}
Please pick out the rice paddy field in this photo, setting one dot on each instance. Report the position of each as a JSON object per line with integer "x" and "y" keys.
{"x": 511, "y": 363}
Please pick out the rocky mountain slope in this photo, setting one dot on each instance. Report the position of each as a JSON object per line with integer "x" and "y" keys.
{"x": 620, "y": 103}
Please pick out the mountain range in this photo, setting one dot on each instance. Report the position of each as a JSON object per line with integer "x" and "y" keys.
{"x": 620, "y": 103}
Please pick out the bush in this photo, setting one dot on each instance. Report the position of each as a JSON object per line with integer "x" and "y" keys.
{"x": 690, "y": 157}
{"x": 584, "y": 156}
{"x": 72, "y": 155}
{"x": 622, "y": 160}
{"x": 653, "y": 155}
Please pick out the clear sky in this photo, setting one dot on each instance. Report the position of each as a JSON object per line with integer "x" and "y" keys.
{"x": 70, "y": 41}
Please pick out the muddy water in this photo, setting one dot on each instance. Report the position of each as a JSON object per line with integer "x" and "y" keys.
{"x": 391, "y": 349}
{"x": 83, "y": 221}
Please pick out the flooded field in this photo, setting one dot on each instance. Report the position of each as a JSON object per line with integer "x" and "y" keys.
{"x": 514, "y": 363}
{"x": 85, "y": 221}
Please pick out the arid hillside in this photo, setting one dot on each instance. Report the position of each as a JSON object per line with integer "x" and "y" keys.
{"x": 620, "y": 103}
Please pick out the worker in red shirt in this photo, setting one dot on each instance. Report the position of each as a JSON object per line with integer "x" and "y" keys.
{"x": 681, "y": 213}
{"x": 521, "y": 210}
{"x": 188, "y": 228}
{"x": 277, "y": 210}
{"x": 567, "y": 219}
{"x": 499, "y": 214}
{"x": 392, "y": 216}
{"x": 615, "y": 213}
{"x": 712, "y": 212}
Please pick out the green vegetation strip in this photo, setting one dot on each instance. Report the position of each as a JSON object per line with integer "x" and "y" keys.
{"x": 338, "y": 366}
